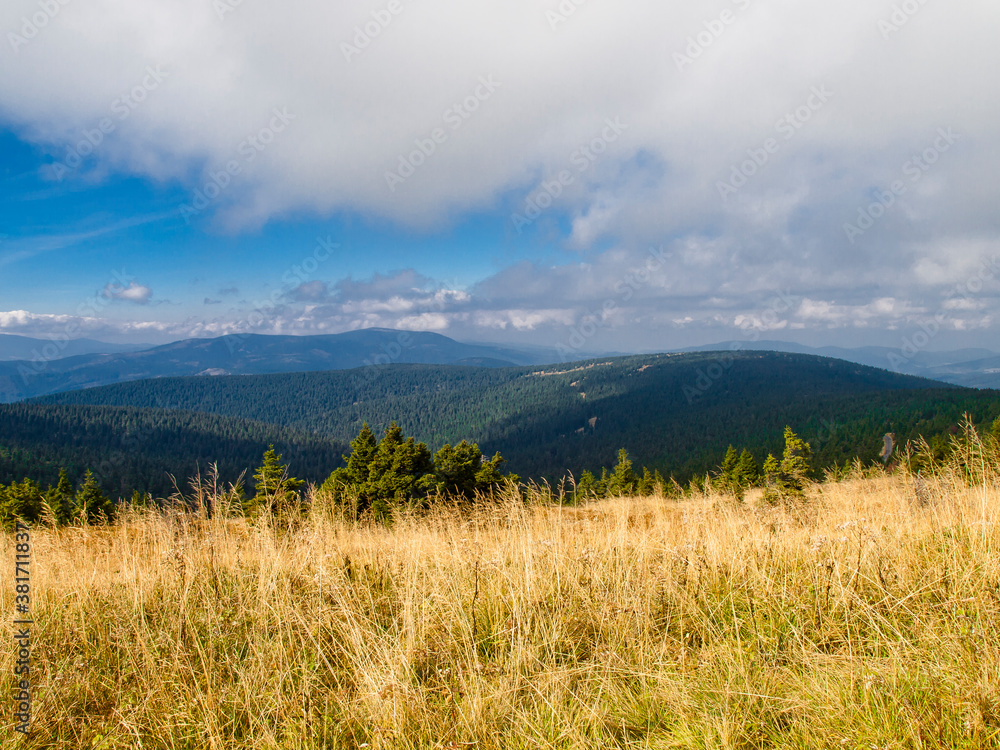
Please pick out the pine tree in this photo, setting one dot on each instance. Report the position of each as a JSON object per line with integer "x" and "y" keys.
{"x": 602, "y": 485}
{"x": 646, "y": 486}
{"x": 727, "y": 473}
{"x": 91, "y": 503}
{"x": 795, "y": 468}
{"x": 20, "y": 501}
{"x": 747, "y": 473}
{"x": 399, "y": 469}
{"x": 273, "y": 488}
{"x": 363, "y": 449}
{"x": 59, "y": 500}
{"x": 622, "y": 481}
{"x": 455, "y": 469}
{"x": 586, "y": 488}
{"x": 995, "y": 429}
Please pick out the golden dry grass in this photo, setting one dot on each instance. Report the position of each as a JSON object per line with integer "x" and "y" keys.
{"x": 861, "y": 619}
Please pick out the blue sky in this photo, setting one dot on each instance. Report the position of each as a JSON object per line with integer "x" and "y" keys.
{"x": 631, "y": 176}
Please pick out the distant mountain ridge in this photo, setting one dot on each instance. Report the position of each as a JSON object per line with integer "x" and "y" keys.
{"x": 14, "y": 347}
{"x": 972, "y": 368}
{"x": 257, "y": 354}
{"x": 674, "y": 412}
{"x": 253, "y": 354}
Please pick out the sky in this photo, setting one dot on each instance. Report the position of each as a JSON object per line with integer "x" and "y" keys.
{"x": 603, "y": 176}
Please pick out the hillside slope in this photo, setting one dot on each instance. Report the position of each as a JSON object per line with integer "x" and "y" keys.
{"x": 138, "y": 449}
{"x": 674, "y": 412}
{"x": 13, "y": 347}
{"x": 972, "y": 368}
{"x": 251, "y": 354}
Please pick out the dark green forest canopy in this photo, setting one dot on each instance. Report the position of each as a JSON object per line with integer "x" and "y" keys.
{"x": 139, "y": 449}
{"x": 674, "y": 413}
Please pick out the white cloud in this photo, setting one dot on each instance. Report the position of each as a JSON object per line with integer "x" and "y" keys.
{"x": 218, "y": 82}
{"x": 27, "y": 323}
{"x": 135, "y": 293}
{"x": 353, "y": 120}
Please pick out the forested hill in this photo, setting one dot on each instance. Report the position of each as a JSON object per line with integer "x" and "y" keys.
{"x": 249, "y": 354}
{"x": 138, "y": 449}
{"x": 674, "y": 412}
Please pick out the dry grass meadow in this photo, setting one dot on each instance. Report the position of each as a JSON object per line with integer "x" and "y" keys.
{"x": 867, "y": 617}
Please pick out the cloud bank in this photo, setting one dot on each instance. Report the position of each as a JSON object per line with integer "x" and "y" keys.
{"x": 843, "y": 153}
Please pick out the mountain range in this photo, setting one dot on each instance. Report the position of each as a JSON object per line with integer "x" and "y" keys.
{"x": 248, "y": 354}
{"x": 974, "y": 368}
{"x": 673, "y": 412}
{"x": 14, "y": 347}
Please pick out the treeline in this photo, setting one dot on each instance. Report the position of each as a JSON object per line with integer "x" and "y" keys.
{"x": 145, "y": 450}
{"x": 673, "y": 415}
{"x": 739, "y": 472}
{"x": 381, "y": 475}
{"x": 59, "y": 505}
{"x": 384, "y": 475}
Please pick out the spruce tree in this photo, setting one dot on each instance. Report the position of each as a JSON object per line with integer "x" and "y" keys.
{"x": 350, "y": 481}
{"x": 622, "y": 481}
{"x": 770, "y": 477}
{"x": 91, "y": 503}
{"x": 795, "y": 468}
{"x": 727, "y": 473}
{"x": 488, "y": 476}
{"x": 455, "y": 469}
{"x": 660, "y": 484}
{"x": 399, "y": 468}
{"x": 59, "y": 500}
{"x": 747, "y": 473}
{"x": 646, "y": 485}
{"x": 20, "y": 501}
{"x": 601, "y": 490}
{"x": 380, "y": 474}
{"x": 363, "y": 449}
{"x": 273, "y": 488}
{"x": 586, "y": 488}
